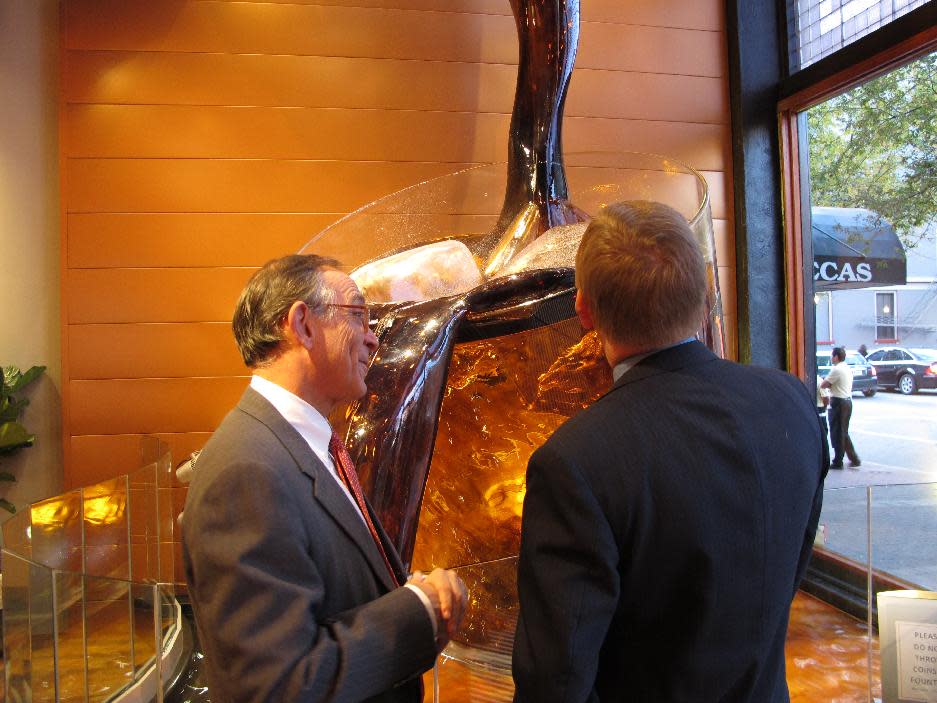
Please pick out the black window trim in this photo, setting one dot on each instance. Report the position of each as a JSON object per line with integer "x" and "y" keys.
{"x": 759, "y": 78}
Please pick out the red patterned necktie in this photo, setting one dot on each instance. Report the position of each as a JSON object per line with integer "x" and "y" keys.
{"x": 346, "y": 471}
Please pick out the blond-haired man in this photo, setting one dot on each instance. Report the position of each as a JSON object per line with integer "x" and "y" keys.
{"x": 666, "y": 527}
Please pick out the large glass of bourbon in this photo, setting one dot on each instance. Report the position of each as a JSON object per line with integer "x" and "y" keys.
{"x": 478, "y": 365}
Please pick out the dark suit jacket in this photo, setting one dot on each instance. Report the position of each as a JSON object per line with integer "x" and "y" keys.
{"x": 666, "y": 529}
{"x": 292, "y": 599}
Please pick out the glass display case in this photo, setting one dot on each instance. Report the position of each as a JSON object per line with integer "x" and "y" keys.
{"x": 89, "y": 608}
{"x": 874, "y": 539}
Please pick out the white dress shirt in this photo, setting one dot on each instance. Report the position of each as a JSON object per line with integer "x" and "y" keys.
{"x": 317, "y": 433}
{"x": 310, "y": 424}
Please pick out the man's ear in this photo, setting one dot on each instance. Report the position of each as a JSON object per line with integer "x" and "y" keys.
{"x": 583, "y": 311}
{"x": 299, "y": 324}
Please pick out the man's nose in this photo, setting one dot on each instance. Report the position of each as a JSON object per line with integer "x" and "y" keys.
{"x": 370, "y": 341}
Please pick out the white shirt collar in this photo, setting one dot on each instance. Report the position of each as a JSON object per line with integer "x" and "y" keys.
{"x": 625, "y": 365}
{"x": 310, "y": 424}
{"x": 304, "y": 418}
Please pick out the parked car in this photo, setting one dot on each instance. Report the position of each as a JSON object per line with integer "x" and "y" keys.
{"x": 905, "y": 370}
{"x": 863, "y": 373}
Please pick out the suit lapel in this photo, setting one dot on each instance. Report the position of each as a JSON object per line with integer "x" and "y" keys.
{"x": 333, "y": 500}
{"x": 325, "y": 488}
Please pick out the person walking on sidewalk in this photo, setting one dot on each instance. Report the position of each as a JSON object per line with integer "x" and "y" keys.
{"x": 839, "y": 381}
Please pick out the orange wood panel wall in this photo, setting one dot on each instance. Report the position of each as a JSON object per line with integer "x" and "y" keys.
{"x": 200, "y": 138}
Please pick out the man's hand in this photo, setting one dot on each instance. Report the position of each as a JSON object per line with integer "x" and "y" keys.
{"x": 449, "y": 597}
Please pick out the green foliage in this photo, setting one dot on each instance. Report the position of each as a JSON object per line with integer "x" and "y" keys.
{"x": 875, "y": 147}
{"x": 13, "y": 436}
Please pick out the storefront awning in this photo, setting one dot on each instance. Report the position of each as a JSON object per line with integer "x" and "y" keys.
{"x": 855, "y": 248}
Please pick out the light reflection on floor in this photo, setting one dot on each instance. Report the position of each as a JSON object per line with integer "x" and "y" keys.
{"x": 826, "y": 662}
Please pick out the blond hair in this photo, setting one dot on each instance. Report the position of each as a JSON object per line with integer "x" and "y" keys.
{"x": 642, "y": 273}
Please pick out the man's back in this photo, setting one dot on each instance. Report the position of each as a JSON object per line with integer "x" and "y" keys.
{"x": 665, "y": 531}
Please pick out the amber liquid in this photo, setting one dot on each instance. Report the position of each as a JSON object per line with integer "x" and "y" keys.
{"x": 504, "y": 398}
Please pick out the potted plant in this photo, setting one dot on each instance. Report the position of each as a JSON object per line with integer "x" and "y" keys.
{"x": 13, "y": 436}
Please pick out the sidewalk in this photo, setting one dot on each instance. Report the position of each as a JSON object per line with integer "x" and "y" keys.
{"x": 875, "y": 474}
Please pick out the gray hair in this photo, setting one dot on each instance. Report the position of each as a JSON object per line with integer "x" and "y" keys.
{"x": 267, "y": 299}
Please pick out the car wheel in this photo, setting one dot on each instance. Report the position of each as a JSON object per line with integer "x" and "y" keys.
{"x": 869, "y": 392}
{"x": 907, "y": 384}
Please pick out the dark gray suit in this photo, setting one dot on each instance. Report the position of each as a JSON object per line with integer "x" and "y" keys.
{"x": 666, "y": 529}
{"x": 292, "y": 599}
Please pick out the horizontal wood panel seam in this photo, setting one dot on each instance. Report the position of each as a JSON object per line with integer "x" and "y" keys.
{"x": 469, "y": 13}
{"x": 80, "y": 103}
{"x": 496, "y": 10}
{"x": 337, "y": 213}
{"x": 212, "y": 212}
{"x": 72, "y": 267}
{"x": 161, "y": 268}
{"x": 464, "y": 164}
{"x": 131, "y": 435}
{"x": 265, "y": 159}
{"x": 92, "y": 435}
{"x": 167, "y": 268}
{"x": 677, "y": 14}
{"x": 116, "y": 269}
{"x": 108, "y": 379}
{"x": 579, "y": 69}
{"x": 650, "y": 120}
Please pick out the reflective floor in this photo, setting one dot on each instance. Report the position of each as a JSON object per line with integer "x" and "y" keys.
{"x": 113, "y": 654}
{"x": 827, "y": 655}
{"x": 826, "y": 663}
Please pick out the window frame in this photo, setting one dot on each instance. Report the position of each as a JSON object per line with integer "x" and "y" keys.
{"x": 828, "y": 341}
{"x": 836, "y": 579}
{"x": 894, "y": 316}
{"x": 905, "y": 39}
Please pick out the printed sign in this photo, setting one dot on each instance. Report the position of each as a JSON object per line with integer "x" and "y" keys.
{"x": 907, "y": 627}
{"x": 842, "y": 270}
{"x": 917, "y": 661}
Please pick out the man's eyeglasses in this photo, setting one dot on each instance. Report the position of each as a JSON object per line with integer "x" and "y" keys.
{"x": 361, "y": 312}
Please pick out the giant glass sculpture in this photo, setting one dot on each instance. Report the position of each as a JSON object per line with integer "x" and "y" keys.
{"x": 470, "y": 278}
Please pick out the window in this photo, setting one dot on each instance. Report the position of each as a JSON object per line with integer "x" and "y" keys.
{"x": 824, "y": 313}
{"x": 817, "y": 28}
{"x": 856, "y": 130}
{"x": 886, "y": 325}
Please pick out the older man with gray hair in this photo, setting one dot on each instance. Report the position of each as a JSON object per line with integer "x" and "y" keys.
{"x": 298, "y": 593}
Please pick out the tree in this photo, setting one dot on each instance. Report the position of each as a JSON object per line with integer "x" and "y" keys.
{"x": 875, "y": 147}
